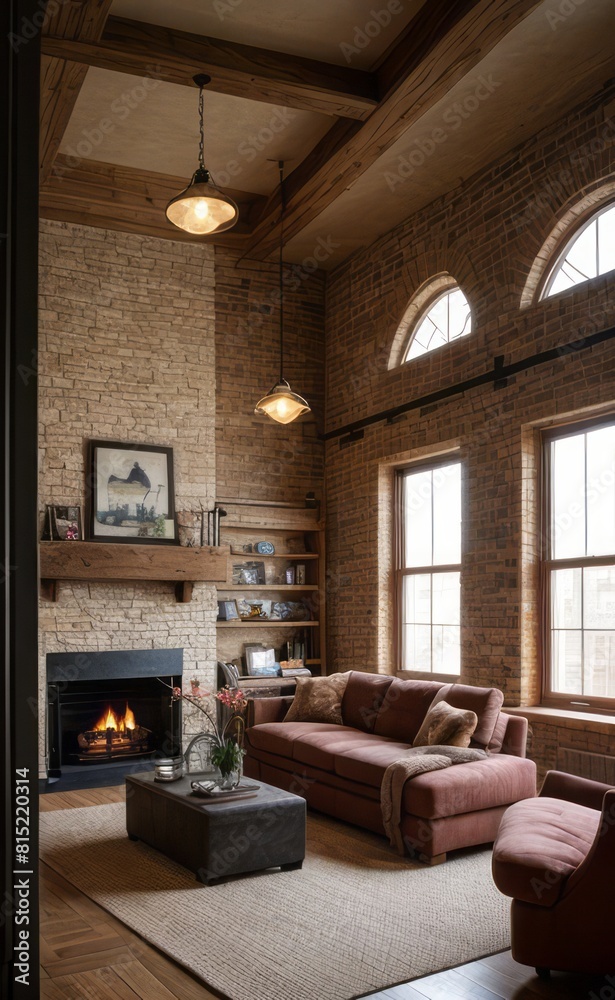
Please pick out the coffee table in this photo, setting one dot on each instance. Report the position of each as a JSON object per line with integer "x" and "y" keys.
{"x": 216, "y": 839}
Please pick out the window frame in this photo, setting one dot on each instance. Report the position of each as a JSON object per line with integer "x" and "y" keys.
{"x": 551, "y": 698}
{"x": 400, "y": 571}
{"x": 422, "y": 315}
{"x": 569, "y": 239}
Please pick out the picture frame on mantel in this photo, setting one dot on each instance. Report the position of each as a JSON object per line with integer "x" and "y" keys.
{"x": 130, "y": 493}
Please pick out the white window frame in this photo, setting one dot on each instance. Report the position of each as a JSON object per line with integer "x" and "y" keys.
{"x": 402, "y": 571}
{"x": 550, "y": 697}
{"x": 424, "y": 313}
{"x": 561, "y": 257}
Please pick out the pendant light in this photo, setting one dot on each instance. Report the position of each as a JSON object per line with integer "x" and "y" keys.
{"x": 281, "y": 403}
{"x": 202, "y": 209}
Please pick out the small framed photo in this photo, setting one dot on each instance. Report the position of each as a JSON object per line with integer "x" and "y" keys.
{"x": 261, "y": 662}
{"x": 290, "y": 574}
{"x": 62, "y": 524}
{"x": 131, "y": 493}
{"x": 300, "y": 574}
{"x": 250, "y": 573}
{"x": 228, "y": 611}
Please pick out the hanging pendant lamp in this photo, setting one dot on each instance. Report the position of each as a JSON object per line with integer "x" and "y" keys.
{"x": 202, "y": 209}
{"x": 281, "y": 403}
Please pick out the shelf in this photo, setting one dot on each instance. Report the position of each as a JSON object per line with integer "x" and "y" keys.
{"x": 105, "y": 562}
{"x": 268, "y": 623}
{"x": 249, "y": 587}
{"x": 275, "y": 555}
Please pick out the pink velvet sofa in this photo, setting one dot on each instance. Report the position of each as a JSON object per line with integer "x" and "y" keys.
{"x": 339, "y": 769}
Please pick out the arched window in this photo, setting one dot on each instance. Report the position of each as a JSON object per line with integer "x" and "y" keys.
{"x": 445, "y": 319}
{"x": 590, "y": 252}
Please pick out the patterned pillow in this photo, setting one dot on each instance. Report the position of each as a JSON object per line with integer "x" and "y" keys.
{"x": 318, "y": 699}
{"x": 446, "y": 726}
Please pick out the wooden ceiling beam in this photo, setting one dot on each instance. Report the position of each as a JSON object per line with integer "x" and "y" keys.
{"x": 418, "y": 73}
{"x": 92, "y": 193}
{"x": 141, "y": 49}
{"x": 61, "y": 81}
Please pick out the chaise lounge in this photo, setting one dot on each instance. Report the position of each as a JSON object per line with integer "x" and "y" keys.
{"x": 339, "y": 767}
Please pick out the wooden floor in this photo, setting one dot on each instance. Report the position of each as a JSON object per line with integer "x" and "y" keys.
{"x": 86, "y": 954}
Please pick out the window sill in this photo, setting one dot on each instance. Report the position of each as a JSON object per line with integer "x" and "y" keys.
{"x": 540, "y": 713}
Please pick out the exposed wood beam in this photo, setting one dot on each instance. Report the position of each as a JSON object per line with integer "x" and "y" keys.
{"x": 416, "y": 80}
{"x": 256, "y": 74}
{"x": 61, "y": 81}
{"x": 91, "y": 193}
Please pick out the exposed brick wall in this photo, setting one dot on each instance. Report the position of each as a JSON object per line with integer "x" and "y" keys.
{"x": 256, "y": 458}
{"x": 126, "y": 352}
{"x": 487, "y": 234}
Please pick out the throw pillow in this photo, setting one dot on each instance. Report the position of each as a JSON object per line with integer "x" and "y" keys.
{"x": 318, "y": 699}
{"x": 446, "y": 726}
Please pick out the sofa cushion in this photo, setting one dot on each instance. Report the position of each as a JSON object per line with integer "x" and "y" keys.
{"x": 404, "y": 707}
{"x": 363, "y": 698}
{"x": 279, "y": 737}
{"x": 367, "y": 763}
{"x": 323, "y": 748}
{"x": 446, "y": 726}
{"x": 486, "y": 702}
{"x": 318, "y": 699}
{"x": 484, "y": 784}
{"x": 539, "y": 844}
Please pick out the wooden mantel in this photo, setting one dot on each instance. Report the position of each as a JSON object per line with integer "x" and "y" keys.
{"x": 110, "y": 561}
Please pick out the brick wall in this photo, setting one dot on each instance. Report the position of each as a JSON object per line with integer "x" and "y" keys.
{"x": 256, "y": 458}
{"x": 487, "y": 234}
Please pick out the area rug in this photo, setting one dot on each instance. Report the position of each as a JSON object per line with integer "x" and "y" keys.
{"x": 354, "y": 919}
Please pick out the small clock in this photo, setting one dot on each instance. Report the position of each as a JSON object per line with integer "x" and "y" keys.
{"x": 265, "y": 548}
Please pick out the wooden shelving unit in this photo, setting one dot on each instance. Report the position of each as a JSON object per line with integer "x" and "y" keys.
{"x": 290, "y": 530}
{"x": 109, "y": 561}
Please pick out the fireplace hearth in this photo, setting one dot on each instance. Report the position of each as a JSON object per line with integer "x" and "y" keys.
{"x": 108, "y": 714}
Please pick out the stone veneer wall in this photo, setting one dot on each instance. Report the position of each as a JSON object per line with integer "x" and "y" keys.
{"x": 126, "y": 353}
{"x": 487, "y": 234}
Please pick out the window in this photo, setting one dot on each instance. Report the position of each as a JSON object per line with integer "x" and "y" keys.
{"x": 580, "y": 566}
{"x": 590, "y": 252}
{"x": 428, "y": 567}
{"x": 446, "y": 319}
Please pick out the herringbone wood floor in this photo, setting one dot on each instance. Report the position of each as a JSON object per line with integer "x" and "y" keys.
{"x": 86, "y": 954}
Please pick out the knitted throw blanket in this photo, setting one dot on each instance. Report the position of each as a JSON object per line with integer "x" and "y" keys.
{"x": 418, "y": 760}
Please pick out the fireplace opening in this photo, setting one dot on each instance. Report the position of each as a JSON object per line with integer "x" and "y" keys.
{"x": 105, "y": 710}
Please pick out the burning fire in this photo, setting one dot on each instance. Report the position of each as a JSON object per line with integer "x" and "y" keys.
{"x": 109, "y": 720}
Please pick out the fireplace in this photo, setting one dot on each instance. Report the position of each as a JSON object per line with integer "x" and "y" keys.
{"x": 108, "y": 713}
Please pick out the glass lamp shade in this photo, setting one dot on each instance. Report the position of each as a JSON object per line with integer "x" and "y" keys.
{"x": 201, "y": 209}
{"x": 282, "y": 404}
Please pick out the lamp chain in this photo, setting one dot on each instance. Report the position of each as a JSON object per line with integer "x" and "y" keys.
{"x": 281, "y": 166}
{"x": 201, "y": 137}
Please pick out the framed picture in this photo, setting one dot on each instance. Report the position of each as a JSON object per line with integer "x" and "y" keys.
{"x": 228, "y": 611}
{"x": 62, "y": 524}
{"x": 249, "y": 572}
{"x": 130, "y": 495}
{"x": 261, "y": 662}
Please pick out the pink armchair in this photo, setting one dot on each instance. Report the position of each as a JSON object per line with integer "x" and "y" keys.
{"x": 555, "y": 855}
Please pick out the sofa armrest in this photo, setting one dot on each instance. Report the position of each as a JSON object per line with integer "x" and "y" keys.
{"x": 583, "y": 791}
{"x": 597, "y": 871}
{"x": 515, "y": 736}
{"x": 267, "y": 710}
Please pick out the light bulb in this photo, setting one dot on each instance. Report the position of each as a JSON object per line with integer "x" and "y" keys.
{"x": 201, "y": 209}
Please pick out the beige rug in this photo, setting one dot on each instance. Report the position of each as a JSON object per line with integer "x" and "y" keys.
{"x": 356, "y": 918}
